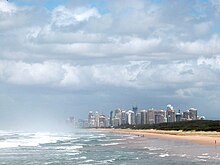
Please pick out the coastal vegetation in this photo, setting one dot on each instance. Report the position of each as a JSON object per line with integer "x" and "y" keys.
{"x": 194, "y": 125}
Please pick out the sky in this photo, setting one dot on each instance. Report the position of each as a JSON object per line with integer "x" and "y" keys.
{"x": 61, "y": 58}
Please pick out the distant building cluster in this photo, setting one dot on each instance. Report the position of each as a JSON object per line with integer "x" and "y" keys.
{"x": 120, "y": 117}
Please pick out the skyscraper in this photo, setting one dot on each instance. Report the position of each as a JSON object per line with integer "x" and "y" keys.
{"x": 135, "y": 110}
{"x": 123, "y": 117}
{"x": 118, "y": 115}
{"x": 96, "y": 119}
{"x": 111, "y": 118}
{"x": 138, "y": 118}
{"x": 102, "y": 121}
{"x": 193, "y": 114}
{"x": 143, "y": 116}
{"x": 131, "y": 117}
{"x": 91, "y": 120}
{"x": 190, "y": 114}
{"x": 160, "y": 116}
{"x": 171, "y": 115}
{"x": 178, "y": 116}
{"x": 150, "y": 116}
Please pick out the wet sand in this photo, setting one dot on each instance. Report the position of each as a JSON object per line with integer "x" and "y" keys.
{"x": 205, "y": 138}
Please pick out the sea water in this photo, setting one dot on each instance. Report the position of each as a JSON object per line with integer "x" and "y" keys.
{"x": 94, "y": 147}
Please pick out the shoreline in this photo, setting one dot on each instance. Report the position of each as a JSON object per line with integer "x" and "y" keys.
{"x": 204, "y": 138}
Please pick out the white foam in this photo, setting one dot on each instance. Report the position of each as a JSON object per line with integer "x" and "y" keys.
{"x": 78, "y": 158}
{"x": 201, "y": 160}
{"x": 204, "y": 157}
{"x": 164, "y": 155}
{"x": 131, "y": 137}
{"x": 107, "y": 161}
{"x": 86, "y": 140}
{"x": 110, "y": 140}
{"x": 152, "y": 153}
{"x": 117, "y": 139}
{"x": 88, "y": 161}
{"x": 69, "y": 147}
{"x": 7, "y": 144}
{"x": 72, "y": 153}
{"x": 183, "y": 155}
{"x": 109, "y": 144}
{"x": 3, "y": 132}
{"x": 30, "y": 140}
{"x": 153, "y": 148}
{"x": 48, "y": 163}
{"x": 97, "y": 136}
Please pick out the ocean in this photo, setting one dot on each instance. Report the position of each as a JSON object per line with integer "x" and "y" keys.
{"x": 86, "y": 147}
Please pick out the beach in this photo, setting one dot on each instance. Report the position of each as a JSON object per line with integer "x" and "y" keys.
{"x": 196, "y": 137}
{"x": 107, "y": 146}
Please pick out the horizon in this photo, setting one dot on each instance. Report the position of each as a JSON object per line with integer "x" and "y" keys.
{"x": 66, "y": 58}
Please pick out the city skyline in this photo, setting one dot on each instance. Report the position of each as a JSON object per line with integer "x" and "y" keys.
{"x": 134, "y": 116}
{"x": 60, "y": 58}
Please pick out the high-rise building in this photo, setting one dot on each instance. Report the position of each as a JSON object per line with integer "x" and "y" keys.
{"x": 102, "y": 122}
{"x": 118, "y": 115}
{"x": 135, "y": 110}
{"x": 96, "y": 119}
{"x": 185, "y": 115}
{"x": 169, "y": 107}
{"x": 143, "y": 117}
{"x": 131, "y": 117}
{"x": 160, "y": 116}
{"x": 138, "y": 118}
{"x": 123, "y": 117}
{"x": 107, "y": 122}
{"x": 115, "y": 122}
{"x": 190, "y": 114}
{"x": 111, "y": 118}
{"x": 171, "y": 115}
{"x": 81, "y": 123}
{"x": 193, "y": 114}
{"x": 178, "y": 116}
{"x": 150, "y": 116}
{"x": 90, "y": 116}
{"x": 91, "y": 119}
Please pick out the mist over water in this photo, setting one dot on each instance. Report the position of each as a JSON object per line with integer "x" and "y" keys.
{"x": 36, "y": 125}
{"x": 88, "y": 147}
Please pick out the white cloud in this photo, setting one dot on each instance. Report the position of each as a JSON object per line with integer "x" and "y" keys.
{"x": 216, "y": 6}
{"x": 62, "y": 16}
{"x": 135, "y": 74}
{"x": 201, "y": 47}
{"x": 30, "y": 74}
{"x": 7, "y": 7}
{"x": 163, "y": 48}
{"x": 187, "y": 92}
{"x": 71, "y": 76}
{"x": 47, "y": 36}
{"x": 213, "y": 63}
{"x": 85, "y": 14}
{"x": 203, "y": 28}
{"x": 140, "y": 31}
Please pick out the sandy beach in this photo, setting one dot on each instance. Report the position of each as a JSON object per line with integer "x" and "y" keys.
{"x": 205, "y": 138}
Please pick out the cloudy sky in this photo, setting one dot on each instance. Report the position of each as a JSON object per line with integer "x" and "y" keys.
{"x": 60, "y": 58}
